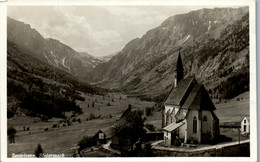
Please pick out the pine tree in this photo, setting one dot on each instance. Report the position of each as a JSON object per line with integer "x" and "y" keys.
{"x": 39, "y": 151}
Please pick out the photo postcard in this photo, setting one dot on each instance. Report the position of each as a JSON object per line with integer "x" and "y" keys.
{"x": 111, "y": 80}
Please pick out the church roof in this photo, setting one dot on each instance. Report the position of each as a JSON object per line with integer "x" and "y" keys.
{"x": 179, "y": 65}
{"x": 189, "y": 94}
{"x": 177, "y": 93}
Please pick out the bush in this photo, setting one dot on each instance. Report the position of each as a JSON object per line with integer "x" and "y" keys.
{"x": 11, "y": 131}
{"x": 148, "y": 111}
{"x": 87, "y": 141}
{"x": 10, "y": 113}
{"x": 91, "y": 116}
{"x": 150, "y": 127}
{"x": 38, "y": 151}
{"x": 69, "y": 123}
{"x": 79, "y": 120}
{"x": 177, "y": 142}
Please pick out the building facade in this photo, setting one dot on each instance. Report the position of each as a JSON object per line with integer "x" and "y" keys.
{"x": 188, "y": 116}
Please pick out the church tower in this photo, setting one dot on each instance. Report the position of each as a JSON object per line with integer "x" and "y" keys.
{"x": 178, "y": 72}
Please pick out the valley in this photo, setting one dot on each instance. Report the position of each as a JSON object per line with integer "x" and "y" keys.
{"x": 65, "y": 139}
{"x": 57, "y": 96}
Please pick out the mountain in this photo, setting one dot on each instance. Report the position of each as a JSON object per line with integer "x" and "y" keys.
{"x": 89, "y": 59}
{"x": 107, "y": 57}
{"x": 39, "y": 88}
{"x": 49, "y": 50}
{"x": 214, "y": 47}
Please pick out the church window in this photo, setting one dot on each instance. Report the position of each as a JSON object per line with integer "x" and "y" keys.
{"x": 167, "y": 118}
{"x": 194, "y": 125}
{"x": 204, "y": 118}
{"x": 245, "y": 121}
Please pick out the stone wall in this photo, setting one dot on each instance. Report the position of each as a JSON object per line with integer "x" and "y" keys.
{"x": 233, "y": 150}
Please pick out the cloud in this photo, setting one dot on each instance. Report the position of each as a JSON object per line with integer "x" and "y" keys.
{"x": 98, "y": 30}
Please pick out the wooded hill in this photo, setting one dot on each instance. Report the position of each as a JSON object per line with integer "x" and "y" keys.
{"x": 41, "y": 88}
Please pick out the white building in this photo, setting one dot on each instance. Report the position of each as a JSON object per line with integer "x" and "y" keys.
{"x": 245, "y": 125}
{"x": 189, "y": 112}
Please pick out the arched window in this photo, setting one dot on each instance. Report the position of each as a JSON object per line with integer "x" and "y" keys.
{"x": 167, "y": 119}
{"x": 194, "y": 124}
{"x": 205, "y": 119}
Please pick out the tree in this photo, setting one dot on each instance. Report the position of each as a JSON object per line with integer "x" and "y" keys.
{"x": 131, "y": 127}
{"x": 39, "y": 151}
{"x": 11, "y": 131}
{"x": 86, "y": 141}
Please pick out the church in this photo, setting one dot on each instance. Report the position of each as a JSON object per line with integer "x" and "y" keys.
{"x": 188, "y": 115}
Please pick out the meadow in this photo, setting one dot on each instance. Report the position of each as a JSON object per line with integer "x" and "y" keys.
{"x": 107, "y": 109}
{"x": 65, "y": 139}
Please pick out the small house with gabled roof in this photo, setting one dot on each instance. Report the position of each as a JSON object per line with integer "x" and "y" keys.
{"x": 245, "y": 125}
{"x": 188, "y": 114}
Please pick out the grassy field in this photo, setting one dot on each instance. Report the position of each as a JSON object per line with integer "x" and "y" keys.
{"x": 64, "y": 139}
{"x": 233, "y": 110}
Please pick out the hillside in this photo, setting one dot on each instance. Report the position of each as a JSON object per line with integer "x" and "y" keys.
{"x": 49, "y": 50}
{"x": 39, "y": 88}
{"x": 214, "y": 47}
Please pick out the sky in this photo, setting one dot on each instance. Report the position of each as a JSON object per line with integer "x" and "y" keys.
{"x": 97, "y": 30}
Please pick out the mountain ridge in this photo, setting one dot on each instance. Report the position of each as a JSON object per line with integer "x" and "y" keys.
{"x": 214, "y": 45}
{"x": 144, "y": 66}
{"x": 49, "y": 50}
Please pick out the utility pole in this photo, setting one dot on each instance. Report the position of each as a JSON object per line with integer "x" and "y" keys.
{"x": 239, "y": 136}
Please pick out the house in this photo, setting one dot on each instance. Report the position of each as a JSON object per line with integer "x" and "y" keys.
{"x": 188, "y": 115}
{"x": 122, "y": 142}
{"x": 100, "y": 136}
{"x": 245, "y": 125}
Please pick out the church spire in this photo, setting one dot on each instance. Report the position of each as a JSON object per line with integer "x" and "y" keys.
{"x": 178, "y": 70}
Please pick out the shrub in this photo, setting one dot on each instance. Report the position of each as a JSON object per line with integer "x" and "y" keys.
{"x": 79, "y": 120}
{"x": 69, "y": 123}
{"x": 87, "y": 141}
{"x": 39, "y": 151}
{"x": 150, "y": 127}
{"x": 177, "y": 142}
{"x": 148, "y": 111}
{"x": 10, "y": 113}
{"x": 91, "y": 116}
{"x": 11, "y": 131}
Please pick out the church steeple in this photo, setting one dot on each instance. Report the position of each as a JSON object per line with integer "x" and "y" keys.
{"x": 178, "y": 70}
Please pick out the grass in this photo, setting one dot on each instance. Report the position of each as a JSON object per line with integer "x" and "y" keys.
{"x": 233, "y": 110}
{"x": 65, "y": 139}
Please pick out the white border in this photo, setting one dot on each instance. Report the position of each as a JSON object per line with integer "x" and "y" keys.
{"x": 219, "y": 3}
